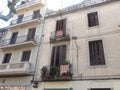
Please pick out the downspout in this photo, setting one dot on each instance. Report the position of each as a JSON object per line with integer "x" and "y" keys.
{"x": 37, "y": 57}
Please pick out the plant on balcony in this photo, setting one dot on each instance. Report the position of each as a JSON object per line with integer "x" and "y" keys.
{"x": 65, "y": 62}
{"x": 54, "y": 72}
{"x": 44, "y": 72}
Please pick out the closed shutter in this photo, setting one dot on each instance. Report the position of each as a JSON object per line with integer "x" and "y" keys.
{"x": 26, "y": 55}
{"x": 7, "y": 58}
{"x": 96, "y": 53}
{"x": 100, "y": 89}
{"x": 93, "y": 19}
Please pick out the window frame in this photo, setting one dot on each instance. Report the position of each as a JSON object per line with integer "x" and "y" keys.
{"x": 3, "y": 60}
{"x": 22, "y": 60}
{"x": 88, "y": 19}
{"x": 103, "y": 54}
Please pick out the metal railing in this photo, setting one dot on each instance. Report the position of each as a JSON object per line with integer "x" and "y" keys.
{"x": 75, "y": 7}
{"x": 25, "y": 19}
{"x": 55, "y": 35}
{"x": 19, "y": 40}
{"x": 62, "y": 72}
{"x": 14, "y": 67}
{"x": 32, "y": 2}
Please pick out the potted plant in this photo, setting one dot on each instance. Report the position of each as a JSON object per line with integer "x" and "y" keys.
{"x": 44, "y": 72}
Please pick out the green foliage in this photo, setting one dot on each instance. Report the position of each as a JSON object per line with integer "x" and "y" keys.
{"x": 11, "y": 7}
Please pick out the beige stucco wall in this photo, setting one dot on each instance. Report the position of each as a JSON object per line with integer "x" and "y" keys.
{"x": 77, "y": 25}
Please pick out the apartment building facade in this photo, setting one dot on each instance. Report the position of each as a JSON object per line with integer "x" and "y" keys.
{"x": 20, "y": 46}
{"x": 79, "y": 49}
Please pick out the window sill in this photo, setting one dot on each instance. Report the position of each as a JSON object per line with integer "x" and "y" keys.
{"x": 97, "y": 66}
{"x": 93, "y": 27}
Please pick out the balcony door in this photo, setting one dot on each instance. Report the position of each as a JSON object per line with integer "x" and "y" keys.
{"x": 13, "y": 38}
{"x": 6, "y": 58}
{"x": 20, "y": 18}
{"x": 60, "y": 27}
{"x": 58, "y": 55}
{"x": 31, "y": 34}
{"x": 36, "y": 14}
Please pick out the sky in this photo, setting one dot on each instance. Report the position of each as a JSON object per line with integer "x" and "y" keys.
{"x": 52, "y": 4}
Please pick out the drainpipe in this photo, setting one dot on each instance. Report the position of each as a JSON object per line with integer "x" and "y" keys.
{"x": 37, "y": 58}
{"x": 75, "y": 38}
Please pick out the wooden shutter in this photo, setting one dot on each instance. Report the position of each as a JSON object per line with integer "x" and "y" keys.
{"x": 96, "y": 53}
{"x": 100, "y": 89}
{"x": 7, "y": 58}
{"x": 62, "y": 52}
{"x": 58, "y": 55}
{"x": 64, "y": 26}
{"x": 26, "y": 55}
{"x": 93, "y": 19}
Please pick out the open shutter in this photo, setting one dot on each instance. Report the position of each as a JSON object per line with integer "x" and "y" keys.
{"x": 62, "y": 56}
{"x": 64, "y": 26}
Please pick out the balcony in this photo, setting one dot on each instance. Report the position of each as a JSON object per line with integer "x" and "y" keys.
{"x": 30, "y": 4}
{"x": 53, "y": 73}
{"x": 59, "y": 36}
{"x": 15, "y": 69}
{"x": 28, "y": 20}
{"x": 21, "y": 41}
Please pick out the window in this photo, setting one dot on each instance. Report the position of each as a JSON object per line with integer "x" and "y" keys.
{"x": 13, "y": 38}
{"x": 96, "y": 53}
{"x": 26, "y": 55}
{"x": 20, "y": 17}
{"x": 57, "y": 89}
{"x": 93, "y": 19}
{"x": 61, "y": 27}
{"x": 100, "y": 89}
{"x": 58, "y": 55}
{"x": 31, "y": 33}
{"x": 6, "y": 58}
{"x": 36, "y": 14}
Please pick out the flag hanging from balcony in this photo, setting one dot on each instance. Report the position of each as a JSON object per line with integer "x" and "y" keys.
{"x": 64, "y": 69}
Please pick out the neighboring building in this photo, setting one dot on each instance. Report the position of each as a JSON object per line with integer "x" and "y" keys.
{"x": 20, "y": 46}
{"x": 81, "y": 40}
{"x": 70, "y": 49}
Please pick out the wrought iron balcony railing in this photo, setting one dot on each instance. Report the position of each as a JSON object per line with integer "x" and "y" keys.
{"x": 19, "y": 40}
{"x": 51, "y": 73}
{"x": 22, "y": 68}
{"x": 59, "y": 36}
{"x": 26, "y": 19}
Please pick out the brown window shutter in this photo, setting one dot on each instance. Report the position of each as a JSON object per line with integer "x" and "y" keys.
{"x": 96, "y": 53}
{"x": 58, "y": 55}
{"x": 62, "y": 54}
{"x": 64, "y": 26}
{"x": 93, "y": 19}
